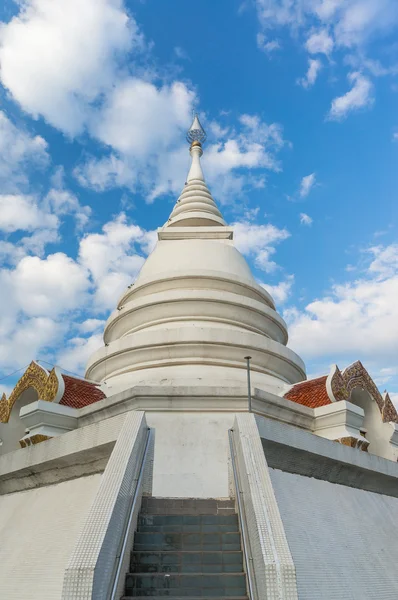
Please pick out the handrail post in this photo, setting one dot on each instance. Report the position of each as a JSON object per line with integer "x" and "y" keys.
{"x": 249, "y": 389}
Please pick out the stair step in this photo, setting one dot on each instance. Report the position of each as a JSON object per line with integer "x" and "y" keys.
{"x": 187, "y": 541}
{"x": 187, "y": 506}
{"x": 184, "y": 593}
{"x": 176, "y": 584}
{"x": 166, "y": 520}
{"x": 186, "y": 562}
{"x": 184, "y": 597}
{"x": 188, "y": 528}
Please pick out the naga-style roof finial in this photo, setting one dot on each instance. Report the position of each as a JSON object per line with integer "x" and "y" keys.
{"x": 196, "y": 133}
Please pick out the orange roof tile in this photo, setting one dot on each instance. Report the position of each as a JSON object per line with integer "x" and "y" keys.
{"x": 311, "y": 393}
{"x": 79, "y": 393}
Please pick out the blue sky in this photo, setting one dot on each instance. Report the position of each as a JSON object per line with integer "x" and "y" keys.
{"x": 299, "y": 101}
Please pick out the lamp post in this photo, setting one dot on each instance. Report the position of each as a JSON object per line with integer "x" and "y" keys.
{"x": 249, "y": 392}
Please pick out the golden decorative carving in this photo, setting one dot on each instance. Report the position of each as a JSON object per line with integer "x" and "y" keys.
{"x": 356, "y": 376}
{"x": 46, "y": 385}
{"x": 354, "y": 442}
{"x": 35, "y": 439}
{"x": 50, "y": 389}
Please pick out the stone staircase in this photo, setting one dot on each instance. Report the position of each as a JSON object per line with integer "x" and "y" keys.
{"x": 186, "y": 548}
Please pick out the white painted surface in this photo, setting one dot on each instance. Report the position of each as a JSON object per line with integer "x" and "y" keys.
{"x": 195, "y": 311}
{"x": 377, "y": 433}
{"x": 48, "y": 418}
{"x": 191, "y": 454}
{"x": 344, "y": 541}
{"x": 38, "y": 529}
{"x": 339, "y": 420}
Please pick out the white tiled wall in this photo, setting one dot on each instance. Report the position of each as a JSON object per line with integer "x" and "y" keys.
{"x": 38, "y": 529}
{"x": 344, "y": 541}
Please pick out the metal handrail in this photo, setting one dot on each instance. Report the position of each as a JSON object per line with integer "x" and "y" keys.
{"x": 120, "y": 556}
{"x": 242, "y": 521}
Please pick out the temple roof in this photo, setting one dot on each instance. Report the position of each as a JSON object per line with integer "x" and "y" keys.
{"x": 80, "y": 392}
{"x": 51, "y": 386}
{"x": 311, "y": 393}
{"x": 337, "y": 386}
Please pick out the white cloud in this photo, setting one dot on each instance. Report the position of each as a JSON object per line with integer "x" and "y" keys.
{"x": 258, "y": 242}
{"x": 114, "y": 258}
{"x": 55, "y": 65}
{"x": 37, "y": 241}
{"x": 181, "y": 53}
{"x": 359, "y": 96}
{"x": 320, "y": 42}
{"x": 281, "y": 291}
{"x": 385, "y": 261}
{"x": 48, "y": 286}
{"x": 355, "y": 320}
{"x": 360, "y": 21}
{"x": 395, "y": 136}
{"x": 306, "y": 185}
{"x": 273, "y": 13}
{"x": 40, "y": 218}
{"x": 77, "y": 352}
{"x": 357, "y": 26}
{"x": 314, "y": 66}
{"x": 19, "y": 151}
{"x": 90, "y": 325}
{"x": 106, "y": 173}
{"x": 62, "y": 201}
{"x": 305, "y": 219}
{"x": 359, "y": 62}
{"x": 350, "y": 22}
{"x": 20, "y": 342}
{"x": 5, "y": 389}
{"x": 267, "y": 46}
{"x": 394, "y": 398}
{"x": 18, "y": 212}
{"x": 12, "y": 253}
{"x": 139, "y": 119}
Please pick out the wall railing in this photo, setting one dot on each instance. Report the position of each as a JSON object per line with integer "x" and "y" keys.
{"x": 119, "y": 559}
{"x": 242, "y": 521}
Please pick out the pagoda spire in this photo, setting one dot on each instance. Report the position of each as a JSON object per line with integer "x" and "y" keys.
{"x": 195, "y": 207}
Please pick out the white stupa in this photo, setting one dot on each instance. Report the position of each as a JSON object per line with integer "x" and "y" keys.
{"x": 161, "y": 473}
{"x": 195, "y": 310}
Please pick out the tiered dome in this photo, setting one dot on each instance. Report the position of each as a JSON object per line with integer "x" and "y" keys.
{"x": 195, "y": 310}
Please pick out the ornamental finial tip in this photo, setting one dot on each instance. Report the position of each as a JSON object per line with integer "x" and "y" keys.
{"x": 196, "y": 133}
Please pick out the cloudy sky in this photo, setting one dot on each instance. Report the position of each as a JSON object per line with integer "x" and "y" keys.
{"x": 299, "y": 100}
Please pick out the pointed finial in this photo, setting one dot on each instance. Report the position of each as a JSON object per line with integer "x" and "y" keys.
{"x": 196, "y": 133}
